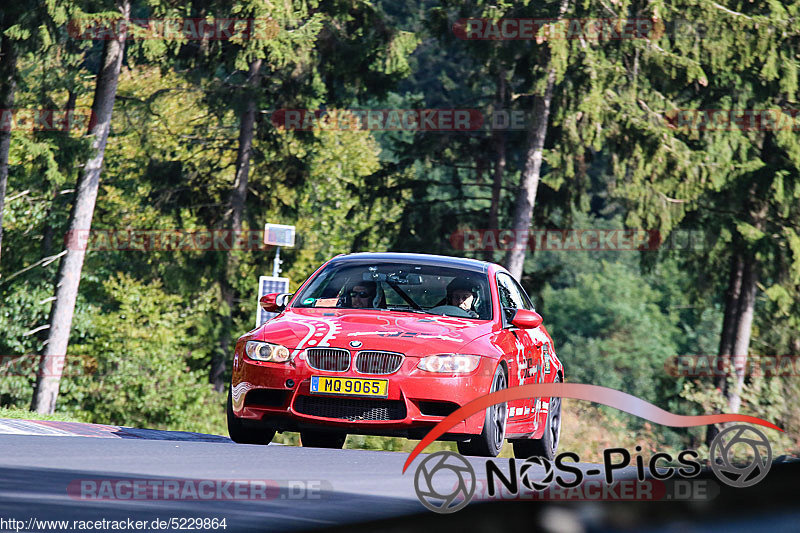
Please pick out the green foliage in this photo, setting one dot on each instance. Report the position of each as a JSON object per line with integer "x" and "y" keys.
{"x": 332, "y": 214}
{"x": 139, "y": 363}
{"x": 610, "y": 329}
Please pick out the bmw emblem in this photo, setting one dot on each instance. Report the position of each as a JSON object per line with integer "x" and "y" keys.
{"x": 355, "y": 344}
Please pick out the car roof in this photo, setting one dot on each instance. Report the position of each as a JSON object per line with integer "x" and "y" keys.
{"x": 427, "y": 259}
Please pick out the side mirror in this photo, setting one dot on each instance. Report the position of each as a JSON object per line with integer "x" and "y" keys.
{"x": 275, "y": 302}
{"x": 527, "y": 319}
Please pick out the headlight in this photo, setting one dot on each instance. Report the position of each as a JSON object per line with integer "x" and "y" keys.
{"x": 264, "y": 351}
{"x": 449, "y": 363}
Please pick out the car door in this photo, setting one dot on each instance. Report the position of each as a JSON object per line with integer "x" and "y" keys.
{"x": 540, "y": 363}
{"x": 524, "y": 359}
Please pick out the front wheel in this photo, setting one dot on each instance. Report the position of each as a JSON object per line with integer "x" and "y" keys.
{"x": 242, "y": 434}
{"x": 490, "y": 441}
{"x": 548, "y": 445}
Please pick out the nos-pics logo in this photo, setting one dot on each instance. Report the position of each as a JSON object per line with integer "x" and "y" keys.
{"x": 445, "y": 482}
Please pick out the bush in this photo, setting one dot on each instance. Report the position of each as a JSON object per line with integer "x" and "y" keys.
{"x": 138, "y": 368}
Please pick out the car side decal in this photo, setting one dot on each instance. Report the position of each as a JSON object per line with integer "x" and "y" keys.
{"x": 238, "y": 390}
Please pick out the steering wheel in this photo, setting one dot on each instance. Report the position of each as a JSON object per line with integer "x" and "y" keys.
{"x": 450, "y": 310}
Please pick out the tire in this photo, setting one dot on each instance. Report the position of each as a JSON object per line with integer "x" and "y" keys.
{"x": 322, "y": 439}
{"x": 547, "y": 446}
{"x": 490, "y": 441}
{"x": 241, "y": 434}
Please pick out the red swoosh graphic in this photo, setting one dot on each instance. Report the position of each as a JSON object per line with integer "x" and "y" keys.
{"x": 579, "y": 391}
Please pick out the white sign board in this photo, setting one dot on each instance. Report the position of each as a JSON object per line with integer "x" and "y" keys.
{"x": 269, "y": 285}
{"x": 279, "y": 235}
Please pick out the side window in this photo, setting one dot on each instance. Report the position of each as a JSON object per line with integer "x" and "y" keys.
{"x": 526, "y": 301}
{"x": 506, "y": 299}
{"x": 510, "y": 296}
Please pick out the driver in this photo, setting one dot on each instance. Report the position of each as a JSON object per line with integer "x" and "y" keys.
{"x": 362, "y": 294}
{"x": 461, "y": 293}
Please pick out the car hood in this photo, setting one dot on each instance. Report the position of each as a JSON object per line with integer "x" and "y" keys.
{"x": 409, "y": 333}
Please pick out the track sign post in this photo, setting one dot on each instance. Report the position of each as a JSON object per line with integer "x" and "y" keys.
{"x": 269, "y": 285}
{"x": 278, "y": 235}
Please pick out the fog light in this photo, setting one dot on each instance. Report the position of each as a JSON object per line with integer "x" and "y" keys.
{"x": 289, "y": 383}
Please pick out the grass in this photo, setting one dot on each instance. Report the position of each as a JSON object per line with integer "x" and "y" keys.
{"x": 24, "y": 414}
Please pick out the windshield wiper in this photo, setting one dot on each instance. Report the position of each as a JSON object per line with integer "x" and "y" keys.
{"x": 407, "y": 310}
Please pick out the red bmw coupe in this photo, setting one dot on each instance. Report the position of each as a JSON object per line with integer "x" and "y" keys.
{"x": 389, "y": 344}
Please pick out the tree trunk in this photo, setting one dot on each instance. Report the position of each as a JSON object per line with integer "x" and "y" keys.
{"x": 743, "y": 323}
{"x": 731, "y": 317}
{"x": 523, "y": 211}
{"x": 499, "y": 142}
{"x": 8, "y": 86}
{"x": 497, "y": 182}
{"x": 69, "y": 271}
{"x": 216, "y": 374}
{"x": 239, "y": 192}
{"x": 237, "y": 202}
{"x": 741, "y": 345}
{"x": 728, "y": 335}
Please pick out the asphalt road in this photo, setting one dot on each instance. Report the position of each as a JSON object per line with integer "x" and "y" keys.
{"x": 40, "y": 478}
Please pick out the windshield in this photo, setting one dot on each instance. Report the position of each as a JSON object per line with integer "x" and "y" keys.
{"x": 413, "y": 288}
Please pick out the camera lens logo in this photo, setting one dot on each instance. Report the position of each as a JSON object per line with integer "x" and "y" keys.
{"x": 446, "y": 465}
{"x": 759, "y": 456}
{"x": 546, "y": 479}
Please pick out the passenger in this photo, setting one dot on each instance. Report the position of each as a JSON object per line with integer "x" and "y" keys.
{"x": 461, "y": 293}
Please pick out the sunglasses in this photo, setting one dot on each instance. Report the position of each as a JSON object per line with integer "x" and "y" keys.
{"x": 359, "y": 294}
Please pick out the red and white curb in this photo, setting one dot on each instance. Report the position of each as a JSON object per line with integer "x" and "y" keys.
{"x": 77, "y": 429}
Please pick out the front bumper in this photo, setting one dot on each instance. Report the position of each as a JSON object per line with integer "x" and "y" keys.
{"x": 278, "y": 395}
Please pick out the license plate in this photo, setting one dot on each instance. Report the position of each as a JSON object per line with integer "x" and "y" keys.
{"x": 374, "y": 388}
